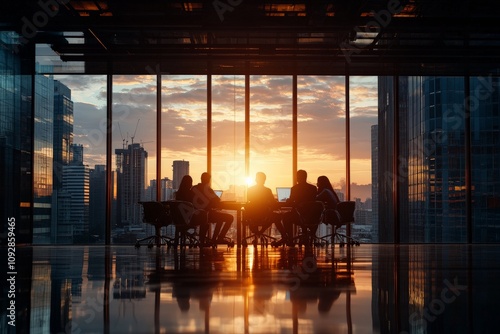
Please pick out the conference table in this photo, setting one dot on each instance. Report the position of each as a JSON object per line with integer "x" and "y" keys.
{"x": 239, "y": 207}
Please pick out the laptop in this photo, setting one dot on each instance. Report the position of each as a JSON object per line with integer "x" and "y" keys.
{"x": 218, "y": 193}
{"x": 283, "y": 193}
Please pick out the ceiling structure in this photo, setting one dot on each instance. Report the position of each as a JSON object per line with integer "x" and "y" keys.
{"x": 357, "y": 37}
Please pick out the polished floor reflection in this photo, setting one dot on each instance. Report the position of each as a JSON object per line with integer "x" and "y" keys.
{"x": 366, "y": 289}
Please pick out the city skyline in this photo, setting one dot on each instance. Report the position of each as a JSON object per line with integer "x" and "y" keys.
{"x": 184, "y": 124}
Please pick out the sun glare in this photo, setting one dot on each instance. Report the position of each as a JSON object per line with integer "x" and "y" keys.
{"x": 249, "y": 181}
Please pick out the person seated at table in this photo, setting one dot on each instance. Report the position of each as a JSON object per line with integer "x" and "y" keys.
{"x": 185, "y": 193}
{"x": 327, "y": 195}
{"x": 299, "y": 193}
{"x": 261, "y": 206}
{"x": 206, "y": 199}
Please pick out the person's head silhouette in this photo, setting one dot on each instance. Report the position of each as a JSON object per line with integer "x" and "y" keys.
{"x": 301, "y": 176}
{"x": 260, "y": 178}
{"x": 205, "y": 178}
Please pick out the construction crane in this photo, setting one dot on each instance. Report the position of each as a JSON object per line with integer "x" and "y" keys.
{"x": 145, "y": 142}
{"x": 132, "y": 137}
{"x": 123, "y": 139}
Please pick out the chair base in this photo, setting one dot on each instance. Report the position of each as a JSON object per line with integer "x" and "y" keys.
{"x": 161, "y": 240}
{"x": 307, "y": 238}
{"x": 225, "y": 241}
{"x": 341, "y": 239}
{"x": 186, "y": 238}
{"x": 263, "y": 239}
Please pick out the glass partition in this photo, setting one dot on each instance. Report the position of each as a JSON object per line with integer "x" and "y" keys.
{"x": 271, "y": 129}
{"x": 184, "y": 128}
{"x": 228, "y": 136}
{"x": 16, "y": 139}
{"x": 321, "y": 129}
{"x": 413, "y": 175}
{"x": 363, "y": 114}
{"x": 134, "y": 159}
{"x": 485, "y": 155}
{"x": 70, "y": 158}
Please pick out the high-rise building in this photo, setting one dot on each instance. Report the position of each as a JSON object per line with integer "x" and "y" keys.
{"x": 61, "y": 226}
{"x": 97, "y": 191}
{"x": 131, "y": 168}
{"x": 16, "y": 138}
{"x": 76, "y": 188}
{"x": 76, "y": 154}
{"x": 167, "y": 192}
{"x": 181, "y": 168}
{"x": 63, "y": 130}
{"x": 430, "y": 177}
{"x": 43, "y": 159}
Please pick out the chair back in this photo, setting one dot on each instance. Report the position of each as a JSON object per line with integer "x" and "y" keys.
{"x": 154, "y": 213}
{"x": 181, "y": 211}
{"x": 311, "y": 212}
{"x": 346, "y": 211}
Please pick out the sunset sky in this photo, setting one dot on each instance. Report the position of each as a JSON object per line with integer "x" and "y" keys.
{"x": 321, "y": 124}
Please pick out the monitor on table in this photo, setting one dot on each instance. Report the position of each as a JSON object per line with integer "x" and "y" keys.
{"x": 283, "y": 193}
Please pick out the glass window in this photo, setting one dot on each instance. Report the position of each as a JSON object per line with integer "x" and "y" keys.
{"x": 321, "y": 129}
{"x": 134, "y": 159}
{"x": 184, "y": 128}
{"x": 271, "y": 129}
{"x": 363, "y": 113}
{"x": 485, "y": 150}
{"x": 228, "y": 136}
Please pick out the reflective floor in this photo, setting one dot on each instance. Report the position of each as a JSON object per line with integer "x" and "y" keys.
{"x": 365, "y": 289}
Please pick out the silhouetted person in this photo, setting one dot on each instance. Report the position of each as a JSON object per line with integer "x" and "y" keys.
{"x": 206, "y": 199}
{"x": 185, "y": 193}
{"x": 300, "y": 193}
{"x": 327, "y": 195}
{"x": 261, "y": 205}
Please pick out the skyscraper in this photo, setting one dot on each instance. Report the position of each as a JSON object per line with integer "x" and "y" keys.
{"x": 43, "y": 159}
{"x": 63, "y": 130}
{"x": 76, "y": 186}
{"x": 131, "y": 167}
{"x": 16, "y": 136}
{"x": 430, "y": 178}
{"x": 181, "y": 168}
{"x": 97, "y": 214}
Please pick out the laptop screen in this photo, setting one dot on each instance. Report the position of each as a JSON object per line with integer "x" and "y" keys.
{"x": 218, "y": 193}
{"x": 283, "y": 193}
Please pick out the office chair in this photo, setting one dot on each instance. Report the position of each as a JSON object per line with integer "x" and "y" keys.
{"x": 345, "y": 216}
{"x": 155, "y": 214}
{"x": 309, "y": 217}
{"x": 187, "y": 220}
{"x": 258, "y": 224}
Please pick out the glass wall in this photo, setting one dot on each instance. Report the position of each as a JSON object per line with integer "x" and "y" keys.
{"x": 321, "y": 132}
{"x": 184, "y": 128}
{"x": 485, "y": 157}
{"x": 16, "y": 137}
{"x": 43, "y": 159}
{"x": 414, "y": 171}
{"x": 70, "y": 159}
{"x": 363, "y": 114}
{"x": 430, "y": 174}
{"x": 439, "y": 148}
{"x": 134, "y": 149}
{"x": 271, "y": 129}
{"x": 228, "y": 136}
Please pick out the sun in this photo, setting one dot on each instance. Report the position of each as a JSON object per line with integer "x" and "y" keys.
{"x": 249, "y": 181}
